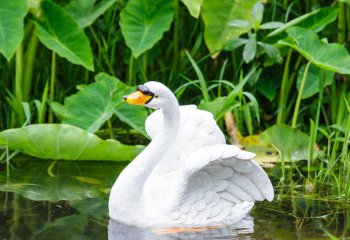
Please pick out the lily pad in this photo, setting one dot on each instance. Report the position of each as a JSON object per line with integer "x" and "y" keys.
{"x": 61, "y": 141}
{"x": 292, "y": 143}
{"x": 329, "y": 56}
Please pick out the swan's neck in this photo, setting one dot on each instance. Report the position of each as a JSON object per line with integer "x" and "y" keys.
{"x": 130, "y": 183}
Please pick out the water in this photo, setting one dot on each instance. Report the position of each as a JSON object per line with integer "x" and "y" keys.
{"x": 68, "y": 200}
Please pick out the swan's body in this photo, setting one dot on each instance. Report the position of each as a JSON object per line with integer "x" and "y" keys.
{"x": 187, "y": 175}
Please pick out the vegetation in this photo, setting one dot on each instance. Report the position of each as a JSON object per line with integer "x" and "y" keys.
{"x": 280, "y": 67}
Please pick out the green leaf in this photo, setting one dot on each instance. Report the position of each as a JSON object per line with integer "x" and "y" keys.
{"x": 94, "y": 104}
{"x": 249, "y": 50}
{"x": 216, "y": 16}
{"x": 313, "y": 80}
{"x": 315, "y": 21}
{"x": 333, "y": 57}
{"x": 59, "y": 32}
{"x": 193, "y": 6}
{"x": 271, "y": 25}
{"x": 257, "y": 14}
{"x": 143, "y": 23}
{"x": 215, "y": 106}
{"x": 11, "y": 25}
{"x": 291, "y": 142}
{"x": 41, "y": 180}
{"x": 61, "y": 141}
{"x": 85, "y": 12}
{"x": 134, "y": 116}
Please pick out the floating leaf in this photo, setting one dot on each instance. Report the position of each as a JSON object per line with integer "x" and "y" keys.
{"x": 218, "y": 14}
{"x": 11, "y": 25}
{"x": 329, "y": 56}
{"x": 59, "y": 32}
{"x": 313, "y": 80}
{"x": 143, "y": 23}
{"x": 193, "y": 6}
{"x": 61, "y": 141}
{"x": 85, "y": 12}
{"x": 33, "y": 181}
{"x": 291, "y": 142}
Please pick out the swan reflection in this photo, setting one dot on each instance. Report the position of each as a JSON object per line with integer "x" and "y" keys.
{"x": 120, "y": 231}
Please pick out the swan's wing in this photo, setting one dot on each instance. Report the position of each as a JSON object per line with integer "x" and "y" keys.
{"x": 197, "y": 126}
{"x": 222, "y": 183}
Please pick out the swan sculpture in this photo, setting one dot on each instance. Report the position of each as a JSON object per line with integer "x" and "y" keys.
{"x": 187, "y": 175}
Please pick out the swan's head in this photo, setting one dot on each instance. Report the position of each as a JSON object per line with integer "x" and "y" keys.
{"x": 153, "y": 95}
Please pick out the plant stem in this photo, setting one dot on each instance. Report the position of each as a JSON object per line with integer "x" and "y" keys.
{"x": 29, "y": 57}
{"x": 176, "y": 39}
{"x": 281, "y": 103}
{"x": 131, "y": 71}
{"x": 52, "y": 84}
{"x": 19, "y": 82}
{"x": 341, "y": 23}
{"x": 301, "y": 90}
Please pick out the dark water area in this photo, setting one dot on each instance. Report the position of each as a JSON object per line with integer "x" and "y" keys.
{"x": 68, "y": 200}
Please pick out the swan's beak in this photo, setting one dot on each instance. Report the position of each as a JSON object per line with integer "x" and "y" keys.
{"x": 137, "y": 98}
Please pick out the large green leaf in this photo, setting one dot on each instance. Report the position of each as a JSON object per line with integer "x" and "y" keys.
{"x": 94, "y": 104}
{"x": 41, "y": 180}
{"x": 217, "y": 15}
{"x": 313, "y": 79}
{"x": 59, "y": 32}
{"x": 193, "y": 6}
{"x": 85, "y": 12}
{"x": 329, "y": 56}
{"x": 291, "y": 142}
{"x": 134, "y": 116}
{"x": 315, "y": 21}
{"x": 11, "y": 25}
{"x": 143, "y": 23}
{"x": 61, "y": 141}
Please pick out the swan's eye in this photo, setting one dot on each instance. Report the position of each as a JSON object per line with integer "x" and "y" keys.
{"x": 156, "y": 96}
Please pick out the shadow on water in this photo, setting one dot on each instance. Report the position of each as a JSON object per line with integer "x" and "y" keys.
{"x": 68, "y": 200}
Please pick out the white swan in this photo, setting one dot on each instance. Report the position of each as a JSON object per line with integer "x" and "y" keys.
{"x": 187, "y": 175}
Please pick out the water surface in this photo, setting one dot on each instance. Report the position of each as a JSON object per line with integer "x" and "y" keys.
{"x": 68, "y": 200}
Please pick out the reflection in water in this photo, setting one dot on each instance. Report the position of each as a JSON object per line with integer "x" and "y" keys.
{"x": 120, "y": 231}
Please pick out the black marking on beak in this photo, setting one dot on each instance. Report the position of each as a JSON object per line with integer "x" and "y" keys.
{"x": 145, "y": 90}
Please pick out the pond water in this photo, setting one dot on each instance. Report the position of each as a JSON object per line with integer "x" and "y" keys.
{"x": 68, "y": 200}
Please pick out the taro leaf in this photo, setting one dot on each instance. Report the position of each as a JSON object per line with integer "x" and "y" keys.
{"x": 85, "y": 12}
{"x": 94, "y": 104}
{"x": 291, "y": 142}
{"x": 217, "y": 15}
{"x": 59, "y": 32}
{"x": 61, "y": 141}
{"x": 193, "y": 6}
{"x": 315, "y": 21}
{"x": 11, "y": 25}
{"x": 313, "y": 80}
{"x": 143, "y": 23}
{"x": 329, "y": 56}
{"x": 267, "y": 87}
{"x": 215, "y": 106}
{"x": 134, "y": 116}
{"x": 41, "y": 180}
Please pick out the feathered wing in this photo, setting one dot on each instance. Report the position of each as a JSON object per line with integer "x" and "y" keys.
{"x": 222, "y": 184}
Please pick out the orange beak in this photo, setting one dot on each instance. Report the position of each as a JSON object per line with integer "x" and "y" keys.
{"x": 137, "y": 98}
